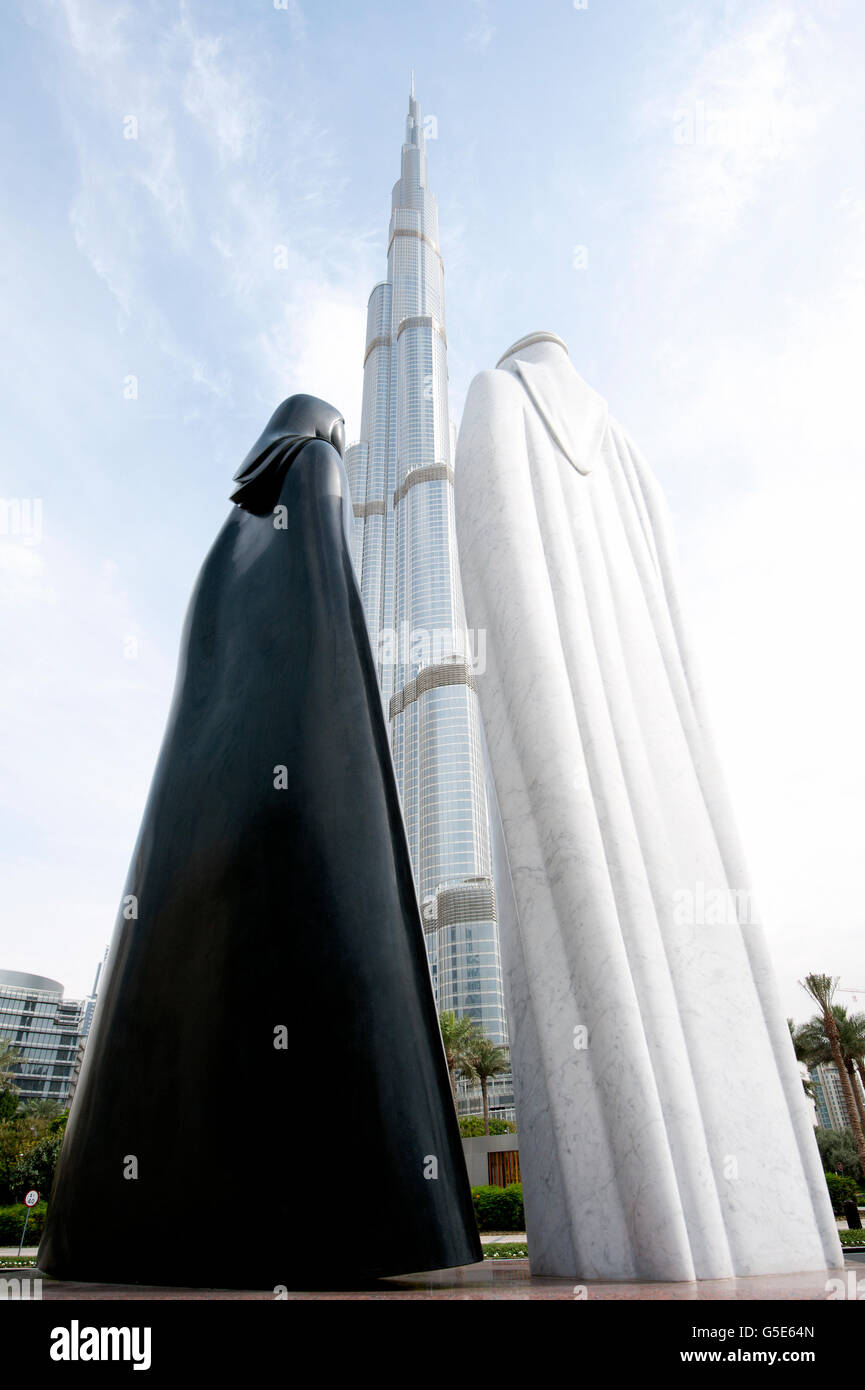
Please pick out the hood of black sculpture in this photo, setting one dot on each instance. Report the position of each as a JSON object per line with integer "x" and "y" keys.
{"x": 293, "y": 424}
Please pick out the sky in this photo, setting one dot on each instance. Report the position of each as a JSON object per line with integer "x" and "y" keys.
{"x": 196, "y": 207}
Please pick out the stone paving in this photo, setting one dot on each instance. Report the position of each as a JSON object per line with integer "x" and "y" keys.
{"x": 491, "y": 1280}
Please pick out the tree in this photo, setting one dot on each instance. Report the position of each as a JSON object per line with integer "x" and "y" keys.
{"x": 484, "y": 1060}
{"x": 841, "y": 1190}
{"x": 9, "y": 1056}
{"x": 837, "y": 1151}
{"x": 822, "y": 988}
{"x": 456, "y": 1036}
{"x": 44, "y": 1109}
{"x": 857, "y": 1022}
{"x": 35, "y": 1167}
{"x": 816, "y": 1047}
{"x": 16, "y": 1138}
{"x": 852, "y": 1035}
{"x": 802, "y": 1055}
{"x": 34, "y": 1128}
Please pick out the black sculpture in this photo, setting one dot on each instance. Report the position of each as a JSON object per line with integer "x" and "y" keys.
{"x": 266, "y": 1040}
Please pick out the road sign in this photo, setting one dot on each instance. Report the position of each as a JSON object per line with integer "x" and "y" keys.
{"x": 29, "y": 1201}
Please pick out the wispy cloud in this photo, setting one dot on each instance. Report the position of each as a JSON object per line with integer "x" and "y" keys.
{"x": 743, "y": 102}
{"x": 480, "y": 35}
{"x": 296, "y": 18}
{"x": 223, "y": 99}
{"x": 257, "y": 202}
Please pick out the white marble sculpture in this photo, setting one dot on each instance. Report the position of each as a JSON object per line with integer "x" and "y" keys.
{"x": 664, "y": 1131}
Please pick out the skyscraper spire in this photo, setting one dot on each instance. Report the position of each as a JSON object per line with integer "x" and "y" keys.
{"x": 414, "y": 134}
{"x": 405, "y": 554}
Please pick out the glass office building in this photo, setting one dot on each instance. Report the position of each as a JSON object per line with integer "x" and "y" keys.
{"x": 47, "y": 1032}
{"x": 404, "y": 549}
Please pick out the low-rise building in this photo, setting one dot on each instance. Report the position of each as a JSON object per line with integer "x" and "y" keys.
{"x": 47, "y": 1031}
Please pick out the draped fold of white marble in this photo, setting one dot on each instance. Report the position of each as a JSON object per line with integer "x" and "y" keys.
{"x": 664, "y": 1132}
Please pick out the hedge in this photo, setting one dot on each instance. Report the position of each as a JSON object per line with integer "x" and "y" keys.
{"x": 472, "y": 1126}
{"x": 499, "y": 1208}
{"x": 12, "y": 1223}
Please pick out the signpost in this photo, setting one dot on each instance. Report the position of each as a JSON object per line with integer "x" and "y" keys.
{"x": 29, "y": 1201}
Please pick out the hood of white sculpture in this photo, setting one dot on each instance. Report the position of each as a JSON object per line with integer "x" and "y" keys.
{"x": 574, "y": 414}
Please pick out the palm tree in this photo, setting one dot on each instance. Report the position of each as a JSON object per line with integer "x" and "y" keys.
{"x": 822, "y": 990}
{"x": 457, "y": 1036}
{"x": 484, "y": 1059}
{"x": 816, "y": 1045}
{"x": 9, "y": 1056}
{"x": 802, "y": 1053}
{"x": 857, "y": 1047}
{"x": 852, "y": 1041}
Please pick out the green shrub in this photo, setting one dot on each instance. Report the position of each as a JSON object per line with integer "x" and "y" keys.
{"x": 499, "y": 1208}
{"x": 837, "y": 1146}
{"x": 12, "y": 1224}
{"x": 36, "y": 1167}
{"x": 472, "y": 1127}
{"x": 840, "y": 1191}
{"x": 514, "y": 1194}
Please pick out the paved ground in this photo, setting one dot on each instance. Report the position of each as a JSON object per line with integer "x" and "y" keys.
{"x": 492, "y": 1279}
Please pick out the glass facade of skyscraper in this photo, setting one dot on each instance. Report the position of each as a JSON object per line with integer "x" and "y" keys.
{"x": 405, "y": 553}
{"x": 828, "y": 1097}
{"x": 46, "y": 1031}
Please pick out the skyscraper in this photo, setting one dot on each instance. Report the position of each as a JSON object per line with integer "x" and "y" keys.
{"x": 405, "y": 554}
{"x": 828, "y": 1097}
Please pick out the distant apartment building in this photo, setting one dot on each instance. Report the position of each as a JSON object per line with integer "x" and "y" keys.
{"x": 828, "y": 1097}
{"x": 47, "y": 1031}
